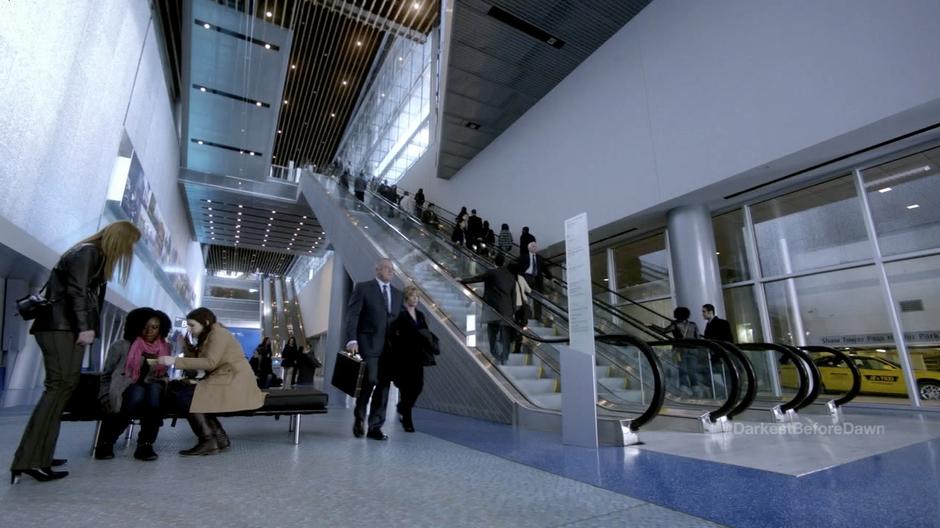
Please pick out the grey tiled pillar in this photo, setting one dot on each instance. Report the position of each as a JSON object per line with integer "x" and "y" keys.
{"x": 694, "y": 264}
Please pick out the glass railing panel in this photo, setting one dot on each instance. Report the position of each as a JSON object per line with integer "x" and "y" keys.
{"x": 693, "y": 374}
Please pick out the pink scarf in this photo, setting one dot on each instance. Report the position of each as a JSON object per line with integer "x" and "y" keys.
{"x": 135, "y": 356}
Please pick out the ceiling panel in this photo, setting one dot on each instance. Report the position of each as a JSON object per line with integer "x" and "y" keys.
{"x": 496, "y": 71}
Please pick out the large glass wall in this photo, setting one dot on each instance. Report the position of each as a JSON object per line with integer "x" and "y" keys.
{"x": 802, "y": 269}
{"x": 390, "y": 130}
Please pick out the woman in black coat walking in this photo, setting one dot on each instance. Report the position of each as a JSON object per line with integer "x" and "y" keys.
{"x": 410, "y": 349}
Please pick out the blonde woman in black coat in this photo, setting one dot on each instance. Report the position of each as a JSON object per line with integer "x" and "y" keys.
{"x": 409, "y": 347}
{"x": 76, "y": 288}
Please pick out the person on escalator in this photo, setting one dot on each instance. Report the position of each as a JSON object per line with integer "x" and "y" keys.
{"x": 504, "y": 241}
{"x": 498, "y": 285}
{"x": 521, "y": 310}
{"x": 429, "y": 217}
{"x": 459, "y": 235}
{"x": 407, "y": 203}
{"x": 487, "y": 239}
{"x": 474, "y": 230}
{"x": 716, "y": 328}
{"x": 688, "y": 359}
{"x": 419, "y": 202}
{"x": 360, "y": 187}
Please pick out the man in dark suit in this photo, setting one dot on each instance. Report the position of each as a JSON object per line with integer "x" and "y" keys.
{"x": 474, "y": 229}
{"x": 498, "y": 286}
{"x": 716, "y": 328}
{"x": 372, "y": 307}
{"x": 532, "y": 266}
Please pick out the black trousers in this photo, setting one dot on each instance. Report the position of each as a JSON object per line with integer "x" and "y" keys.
{"x": 410, "y": 382}
{"x": 63, "y": 361}
{"x": 505, "y": 335}
{"x": 375, "y": 384}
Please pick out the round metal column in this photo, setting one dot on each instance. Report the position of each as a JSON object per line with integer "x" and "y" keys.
{"x": 694, "y": 264}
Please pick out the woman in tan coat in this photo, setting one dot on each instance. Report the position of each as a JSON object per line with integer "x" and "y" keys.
{"x": 229, "y": 384}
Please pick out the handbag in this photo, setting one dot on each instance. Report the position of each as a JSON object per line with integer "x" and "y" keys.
{"x": 432, "y": 347}
{"x": 34, "y": 305}
{"x": 348, "y": 373}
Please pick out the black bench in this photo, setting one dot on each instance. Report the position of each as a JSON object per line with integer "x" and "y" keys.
{"x": 85, "y": 407}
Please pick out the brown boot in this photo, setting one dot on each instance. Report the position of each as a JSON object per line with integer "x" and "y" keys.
{"x": 207, "y": 445}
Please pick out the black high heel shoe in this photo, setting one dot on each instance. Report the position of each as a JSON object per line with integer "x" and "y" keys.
{"x": 40, "y": 474}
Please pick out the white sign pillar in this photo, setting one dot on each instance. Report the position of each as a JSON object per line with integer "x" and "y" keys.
{"x": 578, "y": 375}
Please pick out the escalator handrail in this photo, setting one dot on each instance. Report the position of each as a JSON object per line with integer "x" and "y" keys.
{"x": 803, "y": 388}
{"x": 751, "y": 391}
{"x": 659, "y": 388}
{"x": 512, "y": 255}
{"x": 856, "y": 375}
{"x": 814, "y": 375}
{"x": 722, "y": 354}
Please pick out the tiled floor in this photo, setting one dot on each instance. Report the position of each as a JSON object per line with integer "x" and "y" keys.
{"x": 813, "y": 444}
{"x": 330, "y": 480}
{"x": 897, "y": 488}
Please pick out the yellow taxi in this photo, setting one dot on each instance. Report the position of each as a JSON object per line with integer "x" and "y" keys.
{"x": 879, "y": 376}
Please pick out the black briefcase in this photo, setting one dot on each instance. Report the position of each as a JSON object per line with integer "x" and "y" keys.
{"x": 347, "y": 373}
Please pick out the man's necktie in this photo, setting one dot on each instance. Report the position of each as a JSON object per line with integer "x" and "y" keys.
{"x": 388, "y": 299}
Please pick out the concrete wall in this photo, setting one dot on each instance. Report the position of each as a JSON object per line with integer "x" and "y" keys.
{"x": 692, "y": 100}
{"x": 74, "y": 78}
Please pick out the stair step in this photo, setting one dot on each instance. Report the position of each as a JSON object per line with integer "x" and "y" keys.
{"x": 612, "y": 383}
{"x": 518, "y": 360}
{"x": 536, "y": 386}
{"x": 630, "y": 395}
{"x": 520, "y": 372}
{"x": 602, "y": 371}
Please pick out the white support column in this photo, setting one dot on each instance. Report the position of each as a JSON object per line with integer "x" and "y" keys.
{"x": 694, "y": 264}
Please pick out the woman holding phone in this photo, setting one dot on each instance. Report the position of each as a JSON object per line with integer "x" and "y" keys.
{"x": 132, "y": 384}
{"x": 229, "y": 384}
{"x": 76, "y": 289}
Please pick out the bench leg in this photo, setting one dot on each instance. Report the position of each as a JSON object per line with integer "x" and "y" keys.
{"x": 290, "y": 424}
{"x": 129, "y": 434}
{"x": 296, "y": 429}
{"x": 94, "y": 441}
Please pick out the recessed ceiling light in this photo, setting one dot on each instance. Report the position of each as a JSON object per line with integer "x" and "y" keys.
{"x": 401, "y": 59}
{"x": 210, "y": 221}
{"x": 257, "y": 103}
{"x": 278, "y": 131}
{"x": 273, "y": 212}
{"x": 285, "y": 101}
{"x": 304, "y": 218}
{"x": 268, "y": 14}
{"x": 202, "y": 88}
{"x": 293, "y": 66}
{"x": 241, "y": 151}
{"x": 345, "y": 83}
{"x": 913, "y": 206}
{"x": 210, "y": 208}
{"x": 207, "y": 26}
{"x": 213, "y": 238}
{"x": 270, "y": 219}
{"x": 251, "y": 153}
{"x": 200, "y": 142}
{"x": 210, "y": 215}
{"x": 267, "y": 46}
{"x": 332, "y": 115}
{"x": 208, "y": 201}
{"x": 359, "y": 43}
{"x": 416, "y": 5}
{"x": 886, "y": 189}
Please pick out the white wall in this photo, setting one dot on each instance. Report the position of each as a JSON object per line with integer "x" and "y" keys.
{"x": 72, "y": 77}
{"x": 315, "y": 300}
{"x": 690, "y": 94}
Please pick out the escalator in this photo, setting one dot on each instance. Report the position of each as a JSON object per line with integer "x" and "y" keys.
{"x": 625, "y": 388}
{"x": 466, "y": 380}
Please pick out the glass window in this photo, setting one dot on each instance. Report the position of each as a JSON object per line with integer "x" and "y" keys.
{"x": 730, "y": 246}
{"x": 743, "y": 315}
{"x": 904, "y": 196}
{"x": 811, "y": 228}
{"x": 389, "y": 132}
{"x": 642, "y": 269}
{"x": 599, "y": 276}
{"x": 915, "y": 286}
{"x": 843, "y": 308}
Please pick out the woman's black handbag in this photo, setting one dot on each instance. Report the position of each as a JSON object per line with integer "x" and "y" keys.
{"x": 432, "y": 347}
{"x": 521, "y": 315}
{"x": 33, "y": 305}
